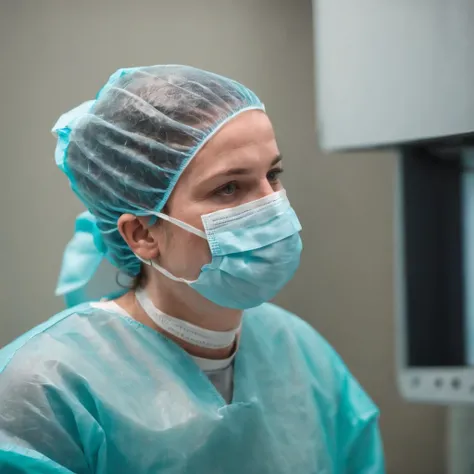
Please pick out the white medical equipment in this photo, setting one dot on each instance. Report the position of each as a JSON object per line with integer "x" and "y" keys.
{"x": 399, "y": 74}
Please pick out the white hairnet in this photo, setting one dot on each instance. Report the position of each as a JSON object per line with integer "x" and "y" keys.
{"x": 125, "y": 151}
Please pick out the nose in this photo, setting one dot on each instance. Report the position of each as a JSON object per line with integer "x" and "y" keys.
{"x": 265, "y": 188}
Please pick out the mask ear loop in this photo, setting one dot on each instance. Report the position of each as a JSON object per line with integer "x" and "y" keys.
{"x": 184, "y": 226}
{"x": 165, "y": 272}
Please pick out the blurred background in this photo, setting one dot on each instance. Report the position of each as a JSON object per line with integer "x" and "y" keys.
{"x": 55, "y": 54}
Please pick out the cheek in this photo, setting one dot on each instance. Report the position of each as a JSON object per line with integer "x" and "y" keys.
{"x": 185, "y": 254}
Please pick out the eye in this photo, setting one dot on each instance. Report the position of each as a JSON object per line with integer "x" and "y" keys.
{"x": 274, "y": 175}
{"x": 228, "y": 190}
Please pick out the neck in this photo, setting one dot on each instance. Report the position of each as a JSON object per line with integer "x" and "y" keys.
{"x": 185, "y": 304}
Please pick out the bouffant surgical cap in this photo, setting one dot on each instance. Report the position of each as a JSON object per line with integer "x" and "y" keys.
{"x": 125, "y": 151}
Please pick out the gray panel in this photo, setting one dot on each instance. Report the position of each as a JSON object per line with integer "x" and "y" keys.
{"x": 392, "y": 71}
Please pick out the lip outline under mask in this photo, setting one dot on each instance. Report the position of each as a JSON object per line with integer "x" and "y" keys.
{"x": 255, "y": 251}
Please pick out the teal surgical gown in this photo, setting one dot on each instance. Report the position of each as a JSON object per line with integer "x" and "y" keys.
{"x": 92, "y": 391}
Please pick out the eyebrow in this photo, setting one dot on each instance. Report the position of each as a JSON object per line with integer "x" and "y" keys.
{"x": 240, "y": 171}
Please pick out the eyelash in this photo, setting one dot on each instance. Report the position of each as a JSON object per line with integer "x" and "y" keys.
{"x": 277, "y": 172}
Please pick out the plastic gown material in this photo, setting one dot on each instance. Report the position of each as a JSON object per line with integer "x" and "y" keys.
{"x": 124, "y": 151}
{"x": 91, "y": 391}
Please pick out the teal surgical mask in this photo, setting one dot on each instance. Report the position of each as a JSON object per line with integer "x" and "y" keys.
{"x": 255, "y": 250}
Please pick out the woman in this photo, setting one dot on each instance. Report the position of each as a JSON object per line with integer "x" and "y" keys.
{"x": 191, "y": 370}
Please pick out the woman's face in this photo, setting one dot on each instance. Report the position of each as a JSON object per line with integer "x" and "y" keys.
{"x": 241, "y": 163}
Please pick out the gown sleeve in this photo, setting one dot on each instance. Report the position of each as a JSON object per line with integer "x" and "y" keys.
{"x": 37, "y": 427}
{"x": 360, "y": 444}
{"x": 351, "y": 416}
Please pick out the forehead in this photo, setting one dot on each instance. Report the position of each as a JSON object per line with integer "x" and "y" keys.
{"x": 248, "y": 138}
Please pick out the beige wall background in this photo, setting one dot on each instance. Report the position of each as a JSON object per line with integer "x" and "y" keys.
{"x": 55, "y": 54}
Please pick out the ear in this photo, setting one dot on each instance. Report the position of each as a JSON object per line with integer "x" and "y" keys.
{"x": 135, "y": 231}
